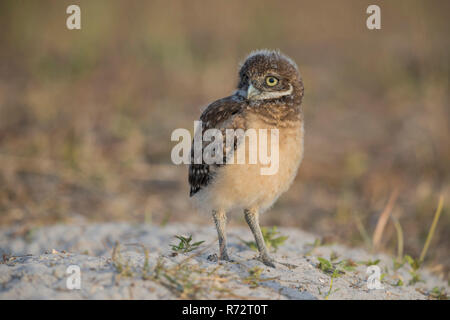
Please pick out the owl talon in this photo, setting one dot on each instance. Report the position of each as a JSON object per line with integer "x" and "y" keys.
{"x": 215, "y": 258}
{"x": 224, "y": 257}
{"x": 268, "y": 261}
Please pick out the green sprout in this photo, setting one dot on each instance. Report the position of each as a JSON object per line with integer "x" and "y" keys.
{"x": 438, "y": 293}
{"x": 185, "y": 245}
{"x": 371, "y": 262}
{"x": 335, "y": 269}
{"x": 254, "y": 277}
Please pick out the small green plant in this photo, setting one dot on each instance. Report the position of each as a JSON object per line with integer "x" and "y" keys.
{"x": 438, "y": 293}
{"x": 333, "y": 269}
{"x": 333, "y": 256}
{"x": 414, "y": 263}
{"x": 348, "y": 264}
{"x": 159, "y": 267}
{"x": 325, "y": 265}
{"x": 371, "y": 262}
{"x": 271, "y": 238}
{"x": 415, "y": 277}
{"x": 146, "y": 268}
{"x": 185, "y": 245}
{"x": 254, "y": 277}
{"x": 188, "y": 281}
{"x": 414, "y": 271}
{"x": 399, "y": 283}
{"x": 122, "y": 268}
{"x": 317, "y": 243}
{"x": 330, "y": 290}
{"x": 397, "y": 263}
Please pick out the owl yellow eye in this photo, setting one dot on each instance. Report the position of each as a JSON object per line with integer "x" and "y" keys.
{"x": 271, "y": 81}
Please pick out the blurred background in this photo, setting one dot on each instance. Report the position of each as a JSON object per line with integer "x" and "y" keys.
{"x": 86, "y": 115}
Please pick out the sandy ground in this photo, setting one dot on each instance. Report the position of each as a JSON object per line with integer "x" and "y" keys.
{"x": 123, "y": 261}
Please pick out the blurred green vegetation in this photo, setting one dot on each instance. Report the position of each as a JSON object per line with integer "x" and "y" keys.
{"x": 86, "y": 116}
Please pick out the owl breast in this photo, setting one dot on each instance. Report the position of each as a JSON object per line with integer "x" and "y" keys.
{"x": 242, "y": 186}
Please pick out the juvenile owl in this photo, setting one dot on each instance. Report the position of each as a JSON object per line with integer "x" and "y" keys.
{"x": 268, "y": 96}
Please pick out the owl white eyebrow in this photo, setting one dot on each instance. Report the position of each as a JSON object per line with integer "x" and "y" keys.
{"x": 275, "y": 94}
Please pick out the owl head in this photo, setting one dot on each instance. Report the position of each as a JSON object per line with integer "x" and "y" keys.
{"x": 269, "y": 75}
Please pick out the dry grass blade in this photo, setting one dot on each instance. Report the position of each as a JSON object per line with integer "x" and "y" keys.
{"x": 432, "y": 229}
{"x": 381, "y": 224}
{"x": 399, "y": 230}
{"x": 362, "y": 231}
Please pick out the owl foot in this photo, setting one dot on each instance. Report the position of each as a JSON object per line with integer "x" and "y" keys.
{"x": 215, "y": 258}
{"x": 268, "y": 261}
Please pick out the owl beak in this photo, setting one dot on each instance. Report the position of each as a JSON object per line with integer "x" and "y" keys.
{"x": 252, "y": 92}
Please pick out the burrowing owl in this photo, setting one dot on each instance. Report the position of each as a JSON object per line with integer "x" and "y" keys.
{"x": 268, "y": 96}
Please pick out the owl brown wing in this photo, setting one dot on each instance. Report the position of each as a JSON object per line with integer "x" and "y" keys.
{"x": 221, "y": 114}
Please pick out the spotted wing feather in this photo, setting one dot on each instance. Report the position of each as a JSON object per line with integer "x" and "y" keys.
{"x": 218, "y": 113}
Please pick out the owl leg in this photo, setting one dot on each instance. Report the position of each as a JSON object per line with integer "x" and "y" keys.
{"x": 252, "y": 218}
{"x": 220, "y": 219}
